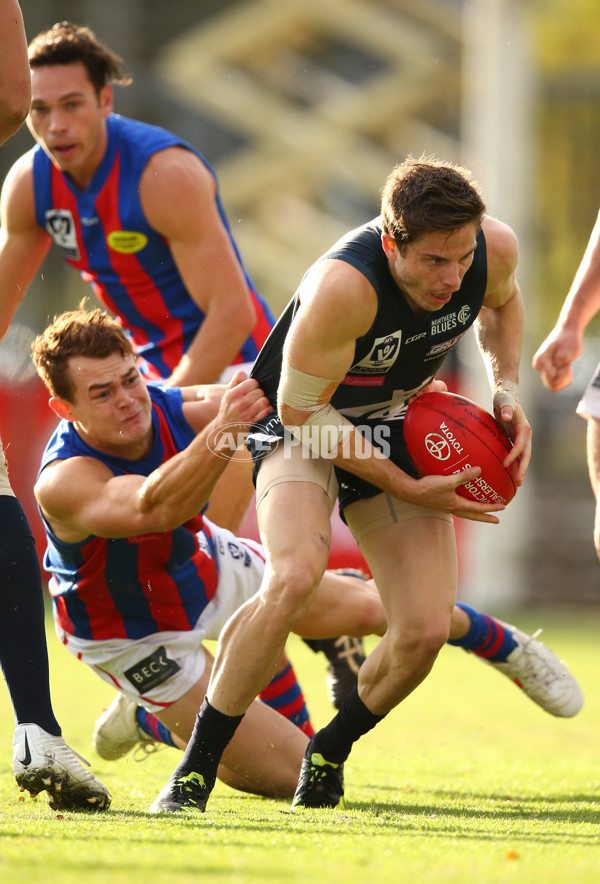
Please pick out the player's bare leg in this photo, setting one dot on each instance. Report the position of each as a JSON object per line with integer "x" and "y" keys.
{"x": 593, "y": 460}
{"x": 233, "y": 493}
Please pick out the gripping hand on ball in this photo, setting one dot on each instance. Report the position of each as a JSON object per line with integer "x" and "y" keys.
{"x": 508, "y": 411}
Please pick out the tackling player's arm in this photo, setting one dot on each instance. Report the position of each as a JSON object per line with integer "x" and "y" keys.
{"x": 499, "y": 329}
{"x": 338, "y": 305}
{"x": 23, "y": 244}
{"x": 177, "y": 193}
{"x": 81, "y": 496}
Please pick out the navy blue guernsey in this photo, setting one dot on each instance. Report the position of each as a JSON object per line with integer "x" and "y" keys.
{"x": 401, "y": 352}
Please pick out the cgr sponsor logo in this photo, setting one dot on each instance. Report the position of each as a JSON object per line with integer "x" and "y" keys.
{"x": 416, "y": 337}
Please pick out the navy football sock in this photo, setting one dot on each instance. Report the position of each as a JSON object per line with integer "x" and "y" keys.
{"x": 23, "y": 649}
{"x": 486, "y": 637}
{"x": 334, "y": 741}
{"x": 212, "y": 732}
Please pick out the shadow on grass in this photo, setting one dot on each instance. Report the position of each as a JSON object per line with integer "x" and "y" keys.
{"x": 555, "y": 818}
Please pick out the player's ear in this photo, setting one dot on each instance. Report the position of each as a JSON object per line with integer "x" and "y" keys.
{"x": 60, "y": 407}
{"x": 389, "y": 244}
{"x": 105, "y": 98}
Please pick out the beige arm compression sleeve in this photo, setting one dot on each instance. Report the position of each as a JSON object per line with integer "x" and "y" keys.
{"x": 326, "y": 428}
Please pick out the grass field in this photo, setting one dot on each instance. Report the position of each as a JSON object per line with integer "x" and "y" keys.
{"x": 466, "y": 781}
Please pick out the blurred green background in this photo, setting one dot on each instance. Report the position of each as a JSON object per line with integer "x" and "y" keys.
{"x": 303, "y": 108}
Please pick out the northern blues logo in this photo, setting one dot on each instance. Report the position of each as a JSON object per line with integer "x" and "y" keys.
{"x": 464, "y": 314}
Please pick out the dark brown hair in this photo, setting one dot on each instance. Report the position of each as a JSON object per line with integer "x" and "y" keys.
{"x": 65, "y": 43}
{"x": 425, "y": 195}
{"x": 76, "y": 333}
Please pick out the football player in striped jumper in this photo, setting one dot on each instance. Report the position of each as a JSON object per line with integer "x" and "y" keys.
{"x": 138, "y": 212}
{"x": 140, "y": 577}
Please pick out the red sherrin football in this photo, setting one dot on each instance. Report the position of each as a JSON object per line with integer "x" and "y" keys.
{"x": 446, "y": 433}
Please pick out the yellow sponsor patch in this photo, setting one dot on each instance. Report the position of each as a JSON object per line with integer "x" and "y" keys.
{"x": 126, "y": 241}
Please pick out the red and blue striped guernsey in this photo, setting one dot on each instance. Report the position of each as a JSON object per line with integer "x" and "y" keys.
{"x": 102, "y": 232}
{"x": 132, "y": 587}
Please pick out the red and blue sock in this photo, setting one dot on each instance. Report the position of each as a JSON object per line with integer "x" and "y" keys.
{"x": 150, "y": 724}
{"x": 284, "y": 694}
{"x": 486, "y": 637}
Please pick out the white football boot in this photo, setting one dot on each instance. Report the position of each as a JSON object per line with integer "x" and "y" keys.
{"x": 42, "y": 762}
{"x": 541, "y": 675}
{"x": 117, "y": 732}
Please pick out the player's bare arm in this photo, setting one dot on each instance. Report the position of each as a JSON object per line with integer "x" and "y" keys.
{"x": 554, "y": 358}
{"x": 338, "y": 306}
{"x": 81, "y": 496}
{"x": 15, "y": 80}
{"x": 23, "y": 244}
{"x": 177, "y": 193}
{"x": 190, "y": 476}
{"x": 499, "y": 328}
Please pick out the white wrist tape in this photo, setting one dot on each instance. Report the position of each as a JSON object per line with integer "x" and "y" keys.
{"x": 506, "y": 393}
{"x": 326, "y": 428}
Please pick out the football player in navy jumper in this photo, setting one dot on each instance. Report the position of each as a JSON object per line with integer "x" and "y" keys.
{"x": 368, "y": 328}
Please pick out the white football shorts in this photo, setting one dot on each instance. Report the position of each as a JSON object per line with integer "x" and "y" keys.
{"x": 158, "y": 669}
{"x": 589, "y": 405}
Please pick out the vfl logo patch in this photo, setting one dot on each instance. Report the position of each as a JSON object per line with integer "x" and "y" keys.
{"x": 61, "y": 227}
{"x": 152, "y": 671}
{"x": 126, "y": 241}
{"x": 384, "y": 353}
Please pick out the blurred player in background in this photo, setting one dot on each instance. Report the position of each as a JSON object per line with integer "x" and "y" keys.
{"x": 564, "y": 345}
{"x": 42, "y": 761}
{"x": 137, "y": 211}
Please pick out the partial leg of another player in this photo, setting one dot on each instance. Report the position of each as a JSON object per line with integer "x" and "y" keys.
{"x": 42, "y": 761}
{"x": 593, "y": 460}
{"x": 522, "y": 658}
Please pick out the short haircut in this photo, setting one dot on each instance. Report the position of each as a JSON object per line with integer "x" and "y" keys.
{"x": 76, "y": 333}
{"x": 426, "y": 195}
{"x": 66, "y": 43}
